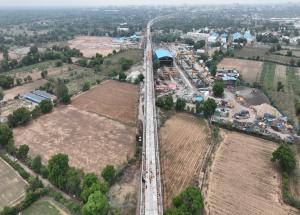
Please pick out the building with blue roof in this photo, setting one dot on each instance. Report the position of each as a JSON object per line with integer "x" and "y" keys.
{"x": 237, "y": 36}
{"x": 248, "y": 36}
{"x": 164, "y": 57}
{"x": 33, "y": 97}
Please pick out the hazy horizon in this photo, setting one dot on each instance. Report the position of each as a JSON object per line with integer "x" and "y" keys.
{"x": 74, "y": 3}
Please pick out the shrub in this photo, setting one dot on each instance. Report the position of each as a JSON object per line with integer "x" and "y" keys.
{"x": 86, "y": 86}
{"x": 285, "y": 157}
{"x": 46, "y": 106}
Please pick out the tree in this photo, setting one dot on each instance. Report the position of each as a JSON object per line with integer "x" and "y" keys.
{"x": 19, "y": 81}
{"x": 189, "y": 202}
{"x": 298, "y": 63}
{"x": 180, "y": 104}
{"x": 289, "y": 53}
{"x": 58, "y": 167}
{"x": 91, "y": 184}
{"x": 213, "y": 69}
{"x": 1, "y": 93}
{"x": 218, "y": 88}
{"x": 86, "y": 86}
{"x": 97, "y": 204}
{"x": 141, "y": 77}
{"x": 280, "y": 86}
{"x": 199, "y": 44}
{"x": 44, "y": 74}
{"x": 122, "y": 76}
{"x": 19, "y": 117}
{"x": 36, "y": 164}
{"x": 62, "y": 93}
{"x": 6, "y": 81}
{"x": 168, "y": 102}
{"x": 73, "y": 181}
{"x": 6, "y": 134}
{"x": 36, "y": 112}
{"x": 46, "y": 106}
{"x": 125, "y": 63}
{"x": 22, "y": 151}
{"x": 297, "y": 107}
{"x": 285, "y": 157}
{"x": 209, "y": 107}
{"x": 109, "y": 174}
{"x": 58, "y": 63}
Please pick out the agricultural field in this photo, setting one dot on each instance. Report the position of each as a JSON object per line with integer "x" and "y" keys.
{"x": 12, "y": 187}
{"x": 89, "y": 46}
{"x": 112, "y": 99}
{"x": 290, "y": 78}
{"x": 46, "y": 207}
{"x": 184, "y": 141}
{"x": 90, "y": 140}
{"x": 243, "y": 180}
{"x": 262, "y": 54}
{"x": 249, "y": 69}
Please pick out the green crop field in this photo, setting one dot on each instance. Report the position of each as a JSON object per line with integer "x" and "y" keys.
{"x": 284, "y": 99}
{"x": 43, "y": 206}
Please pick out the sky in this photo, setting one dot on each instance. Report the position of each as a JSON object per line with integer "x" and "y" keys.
{"x": 28, "y": 3}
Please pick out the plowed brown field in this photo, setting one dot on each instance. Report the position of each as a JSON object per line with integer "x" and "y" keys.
{"x": 184, "y": 142}
{"x": 249, "y": 69}
{"x": 90, "y": 140}
{"x": 112, "y": 99}
{"x": 243, "y": 180}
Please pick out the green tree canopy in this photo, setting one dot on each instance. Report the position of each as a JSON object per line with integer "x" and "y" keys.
{"x": 218, "y": 88}
{"x": 209, "y": 107}
{"x": 19, "y": 117}
{"x": 46, "y": 106}
{"x": 22, "y": 151}
{"x": 180, "y": 104}
{"x": 189, "y": 202}
{"x": 97, "y": 204}
{"x": 122, "y": 76}
{"x": 86, "y": 86}
{"x": 36, "y": 164}
{"x": 58, "y": 167}
{"x": 109, "y": 174}
{"x": 6, "y": 134}
{"x": 285, "y": 157}
{"x": 73, "y": 181}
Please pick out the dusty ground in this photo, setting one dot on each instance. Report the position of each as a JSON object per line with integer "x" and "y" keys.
{"x": 123, "y": 195}
{"x": 89, "y": 46}
{"x": 13, "y": 92}
{"x": 8, "y": 107}
{"x": 112, "y": 99}
{"x": 12, "y": 186}
{"x": 18, "y": 52}
{"x": 243, "y": 180}
{"x": 90, "y": 140}
{"x": 253, "y": 96}
{"x": 249, "y": 69}
{"x": 184, "y": 142}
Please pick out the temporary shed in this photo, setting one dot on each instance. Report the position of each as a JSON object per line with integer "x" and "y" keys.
{"x": 164, "y": 56}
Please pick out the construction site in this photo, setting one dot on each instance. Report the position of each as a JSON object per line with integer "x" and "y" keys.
{"x": 182, "y": 75}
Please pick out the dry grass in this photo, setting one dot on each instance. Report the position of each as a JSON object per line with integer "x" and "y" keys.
{"x": 243, "y": 180}
{"x": 91, "y": 141}
{"x": 112, "y": 99}
{"x": 184, "y": 142}
{"x": 249, "y": 69}
{"x": 12, "y": 186}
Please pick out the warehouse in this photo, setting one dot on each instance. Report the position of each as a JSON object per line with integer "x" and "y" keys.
{"x": 164, "y": 57}
{"x": 38, "y": 95}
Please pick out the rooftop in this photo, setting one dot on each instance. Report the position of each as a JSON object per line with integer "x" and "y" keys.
{"x": 160, "y": 53}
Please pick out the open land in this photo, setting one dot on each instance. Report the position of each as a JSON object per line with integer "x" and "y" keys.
{"x": 89, "y": 46}
{"x": 184, "y": 142}
{"x": 243, "y": 180}
{"x": 44, "y": 206}
{"x": 249, "y": 69}
{"x": 111, "y": 99}
{"x": 90, "y": 140}
{"x": 12, "y": 186}
{"x": 19, "y": 90}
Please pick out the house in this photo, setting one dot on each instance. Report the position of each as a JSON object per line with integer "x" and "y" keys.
{"x": 223, "y": 38}
{"x": 213, "y": 37}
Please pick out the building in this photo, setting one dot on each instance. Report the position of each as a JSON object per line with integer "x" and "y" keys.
{"x": 213, "y": 37}
{"x": 38, "y": 95}
{"x": 223, "y": 38}
{"x": 248, "y": 37}
{"x": 236, "y": 36}
{"x": 164, "y": 57}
